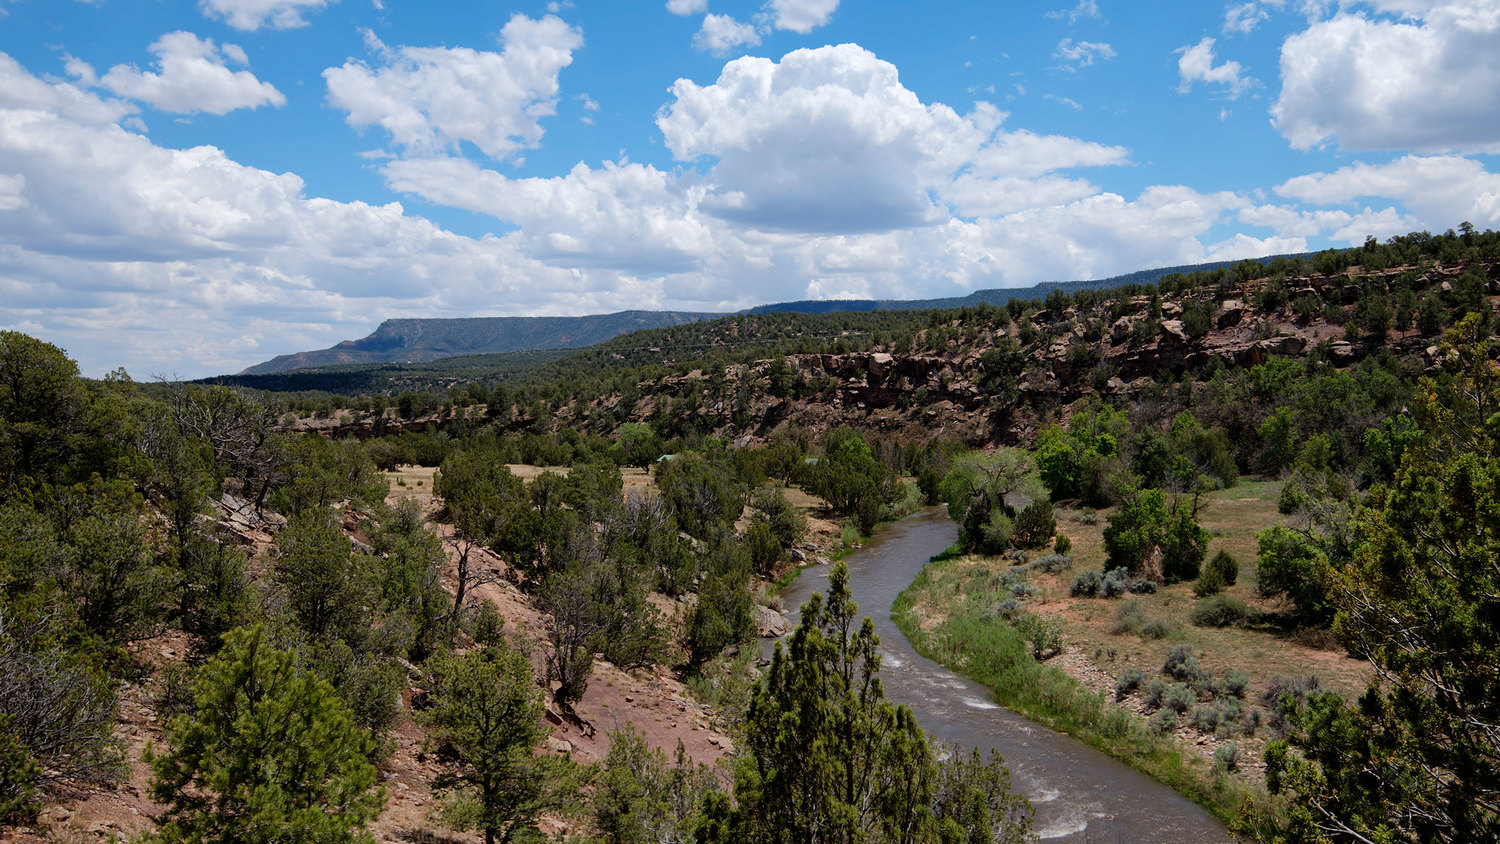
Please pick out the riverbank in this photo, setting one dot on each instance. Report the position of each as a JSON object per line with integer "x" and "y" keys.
{"x": 967, "y": 636}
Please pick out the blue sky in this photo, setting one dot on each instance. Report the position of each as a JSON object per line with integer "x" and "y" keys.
{"x": 191, "y": 187}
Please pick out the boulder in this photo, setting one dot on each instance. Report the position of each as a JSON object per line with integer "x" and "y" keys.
{"x": 771, "y": 624}
{"x": 1230, "y": 313}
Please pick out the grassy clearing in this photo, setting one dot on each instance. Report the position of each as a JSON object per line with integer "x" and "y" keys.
{"x": 948, "y": 615}
{"x": 1264, "y": 650}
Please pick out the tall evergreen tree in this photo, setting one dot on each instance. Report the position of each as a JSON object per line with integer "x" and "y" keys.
{"x": 270, "y": 755}
{"x": 487, "y": 711}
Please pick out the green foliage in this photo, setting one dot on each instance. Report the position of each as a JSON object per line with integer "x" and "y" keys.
{"x": 327, "y": 589}
{"x": 1221, "y": 572}
{"x": 269, "y": 755}
{"x": 1279, "y": 433}
{"x": 643, "y": 798}
{"x": 1036, "y": 524}
{"x": 977, "y": 489}
{"x": 327, "y": 472}
{"x": 1220, "y": 611}
{"x": 830, "y": 760}
{"x": 486, "y": 717}
{"x": 1416, "y": 759}
{"x": 700, "y": 493}
{"x": 784, "y": 519}
{"x": 851, "y": 480}
{"x": 19, "y": 774}
{"x": 41, "y": 407}
{"x": 1146, "y": 531}
{"x": 1074, "y": 462}
{"x": 722, "y": 615}
{"x": 639, "y": 445}
{"x": 1290, "y": 564}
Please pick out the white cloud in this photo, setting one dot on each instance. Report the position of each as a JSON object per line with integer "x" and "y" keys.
{"x": 12, "y": 192}
{"x": 1243, "y": 246}
{"x": 825, "y": 140}
{"x": 20, "y": 90}
{"x": 126, "y": 252}
{"x": 1291, "y": 222}
{"x": 722, "y": 34}
{"x": 1243, "y": 18}
{"x": 1441, "y": 191}
{"x": 1197, "y": 65}
{"x": 1063, "y": 101}
{"x": 1081, "y": 54}
{"x": 622, "y": 216}
{"x": 250, "y": 15}
{"x": 801, "y": 16}
{"x": 430, "y": 99}
{"x": 192, "y": 75}
{"x": 1084, "y": 9}
{"x": 687, "y": 7}
{"x": 1429, "y": 81}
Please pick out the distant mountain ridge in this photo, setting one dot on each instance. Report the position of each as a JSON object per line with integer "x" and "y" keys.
{"x": 423, "y": 340}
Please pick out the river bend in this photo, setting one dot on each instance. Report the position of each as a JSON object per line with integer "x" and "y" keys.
{"x": 1080, "y": 794}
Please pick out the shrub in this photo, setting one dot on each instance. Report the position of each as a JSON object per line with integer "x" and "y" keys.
{"x": 1089, "y": 517}
{"x": 1086, "y": 585}
{"x": 1220, "y": 611}
{"x": 1130, "y": 679}
{"x": 1227, "y": 567}
{"x": 1179, "y": 698}
{"x": 1116, "y": 582}
{"x": 1205, "y": 718}
{"x": 1129, "y": 618}
{"x": 1155, "y": 693}
{"x": 1055, "y": 563}
{"x": 1157, "y": 630}
{"x": 1063, "y": 545}
{"x": 1251, "y": 721}
{"x": 1235, "y": 683}
{"x": 1143, "y": 586}
{"x": 1227, "y": 757}
{"x": 1209, "y": 582}
{"x": 1163, "y": 722}
{"x": 1036, "y": 524}
{"x": 1176, "y": 658}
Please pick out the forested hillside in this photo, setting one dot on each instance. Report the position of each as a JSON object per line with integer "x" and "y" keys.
{"x": 236, "y": 614}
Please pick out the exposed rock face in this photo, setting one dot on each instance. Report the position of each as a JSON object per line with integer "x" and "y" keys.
{"x": 1076, "y": 351}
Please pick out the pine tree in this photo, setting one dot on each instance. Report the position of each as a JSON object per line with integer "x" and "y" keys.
{"x": 487, "y": 713}
{"x": 1418, "y": 759}
{"x": 830, "y": 760}
{"x": 271, "y": 754}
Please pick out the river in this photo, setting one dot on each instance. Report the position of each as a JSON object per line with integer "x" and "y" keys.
{"x": 1080, "y": 794}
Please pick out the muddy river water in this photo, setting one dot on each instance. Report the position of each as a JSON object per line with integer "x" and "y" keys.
{"x": 1080, "y": 794}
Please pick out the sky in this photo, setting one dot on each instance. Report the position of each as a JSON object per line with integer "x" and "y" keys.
{"x": 188, "y": 188}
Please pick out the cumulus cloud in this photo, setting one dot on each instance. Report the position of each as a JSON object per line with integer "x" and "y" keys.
{"x": 801, "y": 16}
{"x": 192, "y": 75}
{"x": 124, "y": 251}
{"x": 20, "y": 90}
{"x": 624, "y": 216}
{"x": 1197, "y": 65}
{"x": 687, "y": 7}
{"x": 1441, "y": 191}
{"x": 430, "y": 99}
{"x": 1290, "y": 222}
{"x": 250, "y": 15}
{"x": 722, "y": 34}
{"x": 1082, "y": 53}
{"x": 1427, "y": 80}
{"x": 825, "y": 140}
